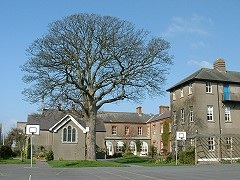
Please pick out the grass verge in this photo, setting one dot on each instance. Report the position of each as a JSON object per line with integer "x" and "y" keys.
{"x": 83, "y": 163}
{"x": 15, "y": 161}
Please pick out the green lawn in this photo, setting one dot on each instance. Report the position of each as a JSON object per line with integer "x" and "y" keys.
{"x": 15, "y": 161}
{"x": 83, "y": 163}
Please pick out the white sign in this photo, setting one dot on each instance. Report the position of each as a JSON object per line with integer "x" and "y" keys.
{"x": 181, "y": 135}
{"x": 33, "y": 129}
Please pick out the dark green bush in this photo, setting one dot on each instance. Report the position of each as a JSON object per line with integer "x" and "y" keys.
{"x": 187, "y": 157}
{"x": 6, "y": 152}
{"x": 49, "y": 156}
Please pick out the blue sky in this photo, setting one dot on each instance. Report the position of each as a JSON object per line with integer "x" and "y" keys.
{"x": 199, "y": 31}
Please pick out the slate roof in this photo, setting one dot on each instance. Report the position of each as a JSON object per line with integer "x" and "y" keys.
{"x": 212, "y": 75}
{"x": 49, "y": 118}
{"x": 162, "y": 116}
{"x": 123, "y": 117}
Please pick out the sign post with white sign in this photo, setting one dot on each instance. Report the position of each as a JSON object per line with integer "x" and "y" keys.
{"x": 180, "y": 135}
{"x": 32, "y": 130}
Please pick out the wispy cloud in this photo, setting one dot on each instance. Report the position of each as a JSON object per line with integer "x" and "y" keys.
{"x": 195, "y": 25}
{"x": 201, "y": 64}
{"x": 198, "y": 44}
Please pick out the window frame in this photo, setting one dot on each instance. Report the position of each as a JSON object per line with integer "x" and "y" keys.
{"x": 181, "y": 93}
{"x": 208, "y": 87}
{"x": 190, "y": 88}
{"x": 182, "y": 116}
{"x": 191, "y": 117}
{"x": 69, "y": 134}
{"x": 140, "y": 130}
{"x": 211, "y": 144}
{"x": 114, "y": 130}
{"x": 227, "y": 114}
{"x": 210, "y": 113}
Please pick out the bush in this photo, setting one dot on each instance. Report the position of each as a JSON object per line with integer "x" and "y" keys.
{"x": 49, "y": 156}
{"x": 187, "y": 157}
{"x": 6, "y": 152}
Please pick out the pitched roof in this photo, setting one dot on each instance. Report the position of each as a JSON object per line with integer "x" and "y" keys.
{"x": 122, "y": 117}
{"x": 160, "y": 117}
{"x": 212, "y": 75}
{"x": 49, "y": 118}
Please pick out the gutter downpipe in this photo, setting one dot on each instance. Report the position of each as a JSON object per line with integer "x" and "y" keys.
{"x": 220, "y": 127}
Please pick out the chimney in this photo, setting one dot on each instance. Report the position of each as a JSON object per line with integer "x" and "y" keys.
{"x": 219, "y": 65}
{"x": 163, "y": 109}
{"x": 139, "y": 110}
{"x": 59, "y": 107}
{"x": 73, "y": 107}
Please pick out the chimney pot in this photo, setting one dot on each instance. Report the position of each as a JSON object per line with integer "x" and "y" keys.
{"x": 163, "y": 109}
{"x": 219, "y": 65}
{"x": 139, "y": 110}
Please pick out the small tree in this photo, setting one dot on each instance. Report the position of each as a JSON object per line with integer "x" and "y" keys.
{"x": 17, "y": 135}
{"x": 153, "y": 151}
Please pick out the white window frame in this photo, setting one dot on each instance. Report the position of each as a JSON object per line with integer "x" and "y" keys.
{"x": 227, "y": 114}
{"x": 211, "y": 144}
{"x": 114, "y": 130}
{"x": 182, "y": 116}
{"x": 139, "y": 130}
{"x": 70, "y": 137}
{"x": 208, "y": 87}
{"x": 174, "y": 96}
{"x": 191, "y": 119}
{"x": 181, "y": 93}
{"x": 210, "y": 113}
{"x": 190, "y": 88}
{"x": 127, "y": 131}
{"x": 174, "y": 118}
{"x": 228, "y": 143}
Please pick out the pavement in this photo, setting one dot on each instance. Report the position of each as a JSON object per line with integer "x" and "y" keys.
{"x": 42, "y": 171}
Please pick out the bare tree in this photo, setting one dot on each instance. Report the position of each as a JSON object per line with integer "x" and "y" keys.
{"x": 92, "y": 60}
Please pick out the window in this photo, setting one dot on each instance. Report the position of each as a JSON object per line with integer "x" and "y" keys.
{"x": 120, "y": 146}
{"x": 181, "y": 92}
{"x": 208, "y": 87}
{"x": 161, "y": 128}
{"x": 144, "y": 148}
{"x": 227, "y": 114}
{"x": 132, "y": 147}
{"x": 154, "y": 129}
{"x": 139, "y": 131}
{"x": 170, "y": 127}
{"x": 148, "y": 130}
{"x": 114, "y": 130}
{"x": 211, "y": 144}
{"x": 190, "y": 88}
{"x": 126, "y": 130}
{"x": 191, "y": 114}
{"x": 69, "y": 134}
{"x": 174, "y": 96}
{"x": 182, "y": 116}
{"x": 210, "y": 113}
{"x": 228, "y": 143}
{"x": 174, "y": 118}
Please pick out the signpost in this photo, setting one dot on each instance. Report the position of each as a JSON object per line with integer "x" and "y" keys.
{"x": 180, "y": 135}
{"x": 32, "y": 130}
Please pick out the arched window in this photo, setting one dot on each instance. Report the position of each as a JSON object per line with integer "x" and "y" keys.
{"x": 69, "y": 134}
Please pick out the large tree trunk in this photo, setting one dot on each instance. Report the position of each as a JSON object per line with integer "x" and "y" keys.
{"x": 91, "y": 135}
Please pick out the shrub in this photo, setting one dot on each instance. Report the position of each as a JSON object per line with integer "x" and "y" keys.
{"x": 6, "y": 152}
{"x": 49, "y": 156}
{"x": 187, "y": 157}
